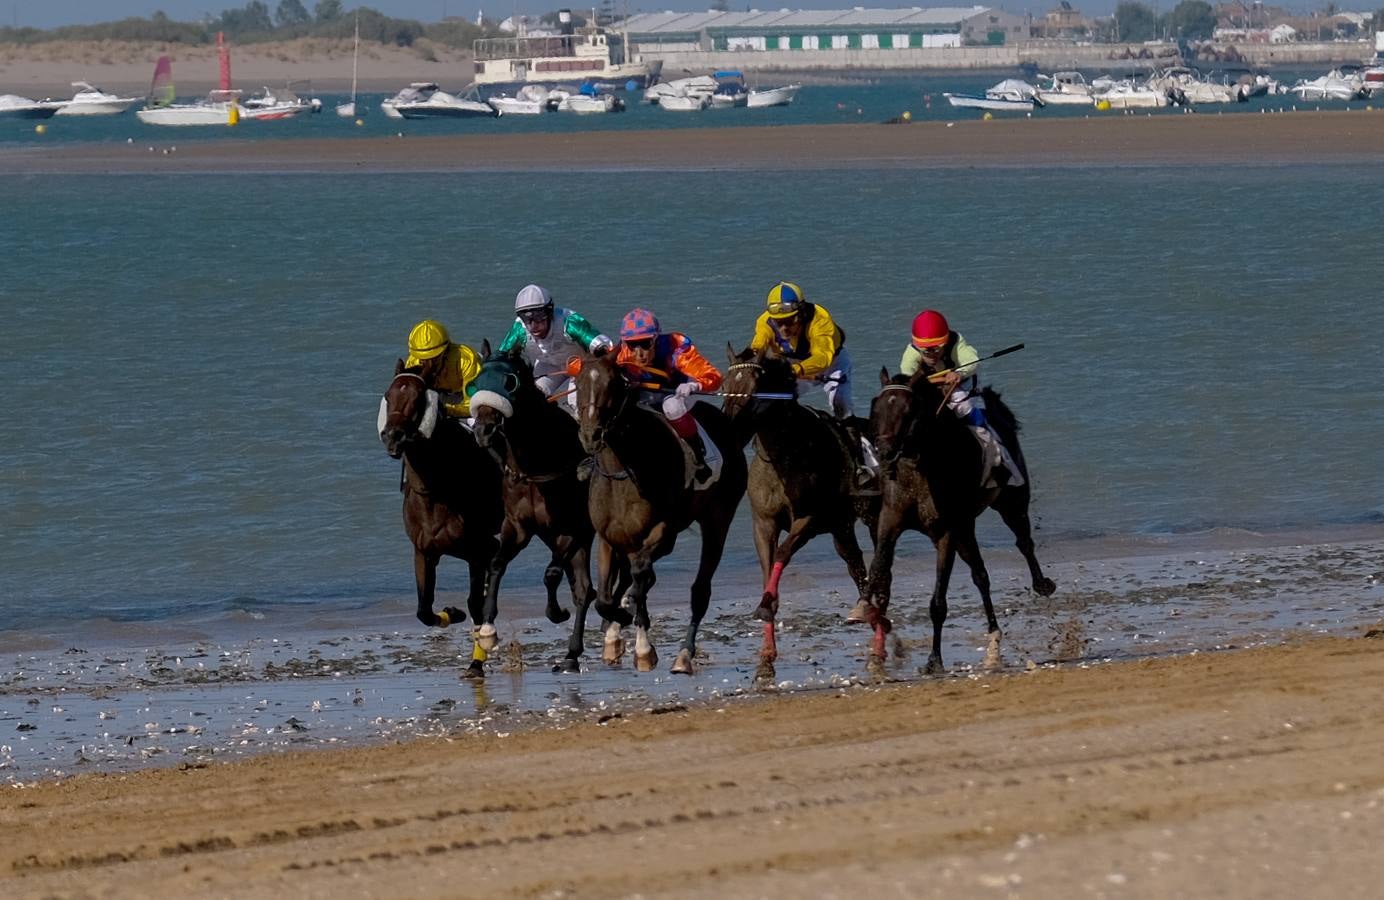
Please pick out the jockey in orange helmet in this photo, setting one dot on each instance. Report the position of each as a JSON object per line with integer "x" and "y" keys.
{"x": 669, "y": 361}
{"x": 936, "y": 348}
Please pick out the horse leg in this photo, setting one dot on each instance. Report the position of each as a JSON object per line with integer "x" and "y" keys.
{"x": 871, "y": 610}
{"x": 937, "y": 607}
{"x": 768, "y": 605}
{"x": 1012, "y": 505}
{"x": 513, "y": 539}
{"x": 607, "y": 572}
{"x": 483, "y": 611}
{"x": 848, "y": 548}
{"x": 552, "y": 577}
{"x": 643, "y": 579}
{"x": 425, "y": 576}
{"x": 583, "y": 592}
{"x": 969, "y": 551}
{"x": 713, "y": 543}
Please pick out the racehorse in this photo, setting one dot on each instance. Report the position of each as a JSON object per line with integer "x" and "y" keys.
{"x": 536, "y": 445}
{"x": 451, "y": 493}
{"x": 801, "y": 479}
{"x": 933, "y": 466}
{"x": 642, "y": 497}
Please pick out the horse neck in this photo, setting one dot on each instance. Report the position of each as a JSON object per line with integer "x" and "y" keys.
{"x": 450, "y": 457}
{"x": 781, "y": 425}
{"x": 941, "y": 439}
{"x": 636, "y": 439}
{"x": 541, "y": 438}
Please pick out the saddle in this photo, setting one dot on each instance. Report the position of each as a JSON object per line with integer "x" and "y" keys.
{"x": 714, "y": 460}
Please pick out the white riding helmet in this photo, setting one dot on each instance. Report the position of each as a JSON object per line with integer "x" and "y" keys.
{"x": 532, "y": 297}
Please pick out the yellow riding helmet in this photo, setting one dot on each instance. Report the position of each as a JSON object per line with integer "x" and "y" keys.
{"x": 428, "y": 339}
{"x": 785, "y": 300}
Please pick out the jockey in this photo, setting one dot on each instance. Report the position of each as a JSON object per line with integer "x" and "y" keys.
{"x": 805, "y": 333}
{"x": 669, "y": 362}
{"x": 446, "y": 367}
{"x": 549, "y": 336}
{"x": 936, "y": 348}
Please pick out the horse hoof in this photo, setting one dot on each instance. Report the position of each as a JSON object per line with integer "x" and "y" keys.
{"x": 646, "y": 663}
{"x": 1045, "y": 587}
{"x": 614, "y": 652}
{"x": 487, "y": 637}
{"x": 935, "y": 667}
{"x": 557, "y": 615}
{"x": 683, "y": 664}
{"x": 568, "y": 666}
{"x": 767, "y": 610}
{"x": 475, "y": 670}
{"x": 859, "y": 614}
{"x": 765, "y": 673}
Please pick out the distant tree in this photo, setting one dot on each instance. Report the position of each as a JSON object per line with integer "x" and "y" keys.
{"x": 1135, "y": 22}
{"x": 291, "y": 13}
{"x": 327, "y": 11}
{"x": 253, "y": 18}
{"x": 1192, "y": 20}
{"x": 721, "y": 6}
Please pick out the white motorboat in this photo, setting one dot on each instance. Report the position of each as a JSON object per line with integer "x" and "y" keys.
{"x": 775, "y": 96}
{"x": 529, "y": 100}
{"x": 1128, "y": 95}
{"x": 1334, "y": 85}
{"x": 584, "y": 104}
{"x": 13, "y": 106}
{"x": 1065, "y": 89}
{"x": 1010, "y": 95}
{"x": 1186, "y": 86}
{"x": 685, "y": 103}
{"x": 349, "y": 110}
{"x": 92, "y": 101}
{"x": 418, "y": 90}
{"x": 680, "y": 87}
{"x": 220, "y": 108}
{"x": 441, "y": 105}
{"x": 274, "y": 105}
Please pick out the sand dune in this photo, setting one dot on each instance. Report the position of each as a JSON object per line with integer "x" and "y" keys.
{"x": 47, "y": 70}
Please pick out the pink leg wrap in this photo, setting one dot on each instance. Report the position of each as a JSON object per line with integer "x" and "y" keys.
{"x": 685, "y": 426}
{"x": 774, "y": 574}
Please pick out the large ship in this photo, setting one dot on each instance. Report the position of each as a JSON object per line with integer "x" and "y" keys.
{"x": 589, "y": 59}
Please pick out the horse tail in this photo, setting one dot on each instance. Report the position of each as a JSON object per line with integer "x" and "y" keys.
{"x": 1006, "y": 425}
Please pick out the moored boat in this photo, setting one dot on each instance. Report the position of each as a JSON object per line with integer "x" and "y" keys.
{"x": 92, "y": 101}
{"x": 13, "y": 106}
{"x": 589, "y": 58}
{"x": 757, "y": 98}
{"x": 440, "y": 104}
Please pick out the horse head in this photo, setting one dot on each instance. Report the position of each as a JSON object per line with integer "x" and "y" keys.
{"x": 903, "y": 414}
{"x": 751, "y": 372}
{"x": 409, "y": 411}
{"x": 602, "y": 392}
{"x": 494, "y": 394}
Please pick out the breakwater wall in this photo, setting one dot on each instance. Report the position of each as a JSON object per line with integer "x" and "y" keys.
{"x": 1047, "y": 55}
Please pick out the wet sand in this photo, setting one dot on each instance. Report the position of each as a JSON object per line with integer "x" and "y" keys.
{"x": 1104, "y": 139}
{"x": 1244, "y": 773}
{"x": 1191, "y": 716}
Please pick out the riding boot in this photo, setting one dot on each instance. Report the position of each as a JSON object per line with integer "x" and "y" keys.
{"x": 585, "y": 468}
{"x": 701, "y": 471}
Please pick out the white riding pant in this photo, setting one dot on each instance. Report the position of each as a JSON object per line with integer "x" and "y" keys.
{"x": 555, "y": 383}
{"x": 836, "y": 381}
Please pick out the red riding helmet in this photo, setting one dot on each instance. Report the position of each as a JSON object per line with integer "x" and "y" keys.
{"x": 930, "y": 329}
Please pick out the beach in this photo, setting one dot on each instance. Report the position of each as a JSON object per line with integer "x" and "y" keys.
{"x": 1101, "y": 140}
{"x": 1239, "y": 773}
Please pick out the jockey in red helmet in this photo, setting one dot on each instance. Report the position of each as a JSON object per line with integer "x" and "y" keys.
{"x": 935, "y": 348}
{"x": 669, "y": 361}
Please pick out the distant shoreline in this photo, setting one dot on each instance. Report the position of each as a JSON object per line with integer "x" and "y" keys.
{"x": 1104, "y": 139}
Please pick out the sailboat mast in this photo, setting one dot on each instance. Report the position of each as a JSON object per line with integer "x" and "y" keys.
{"x": 355, "y": 58}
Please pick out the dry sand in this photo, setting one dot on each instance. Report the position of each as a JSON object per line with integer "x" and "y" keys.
{"x": 1102, "y": 140}
{"x": 46, "y": 70}
{"x": 1244, "y": 773}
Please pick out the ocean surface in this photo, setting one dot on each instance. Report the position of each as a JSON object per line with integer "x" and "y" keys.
{"x": 856, "y": 100}
{"x": 192, "y": 365}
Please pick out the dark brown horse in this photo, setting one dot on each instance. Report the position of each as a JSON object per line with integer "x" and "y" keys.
{"x": 801, "y": 479}
{"x": 451, "y": 493}
{"x": 933, "y": 466}
{"x": 641, "y": 500}
{"x": 536, "y": 445}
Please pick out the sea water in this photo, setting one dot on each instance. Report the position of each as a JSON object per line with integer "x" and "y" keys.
{"x": 192, "y": 364}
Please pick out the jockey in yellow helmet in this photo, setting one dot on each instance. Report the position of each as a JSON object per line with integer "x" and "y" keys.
{"x": 805, "y": 333}
{"x": 447, "y": 367}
